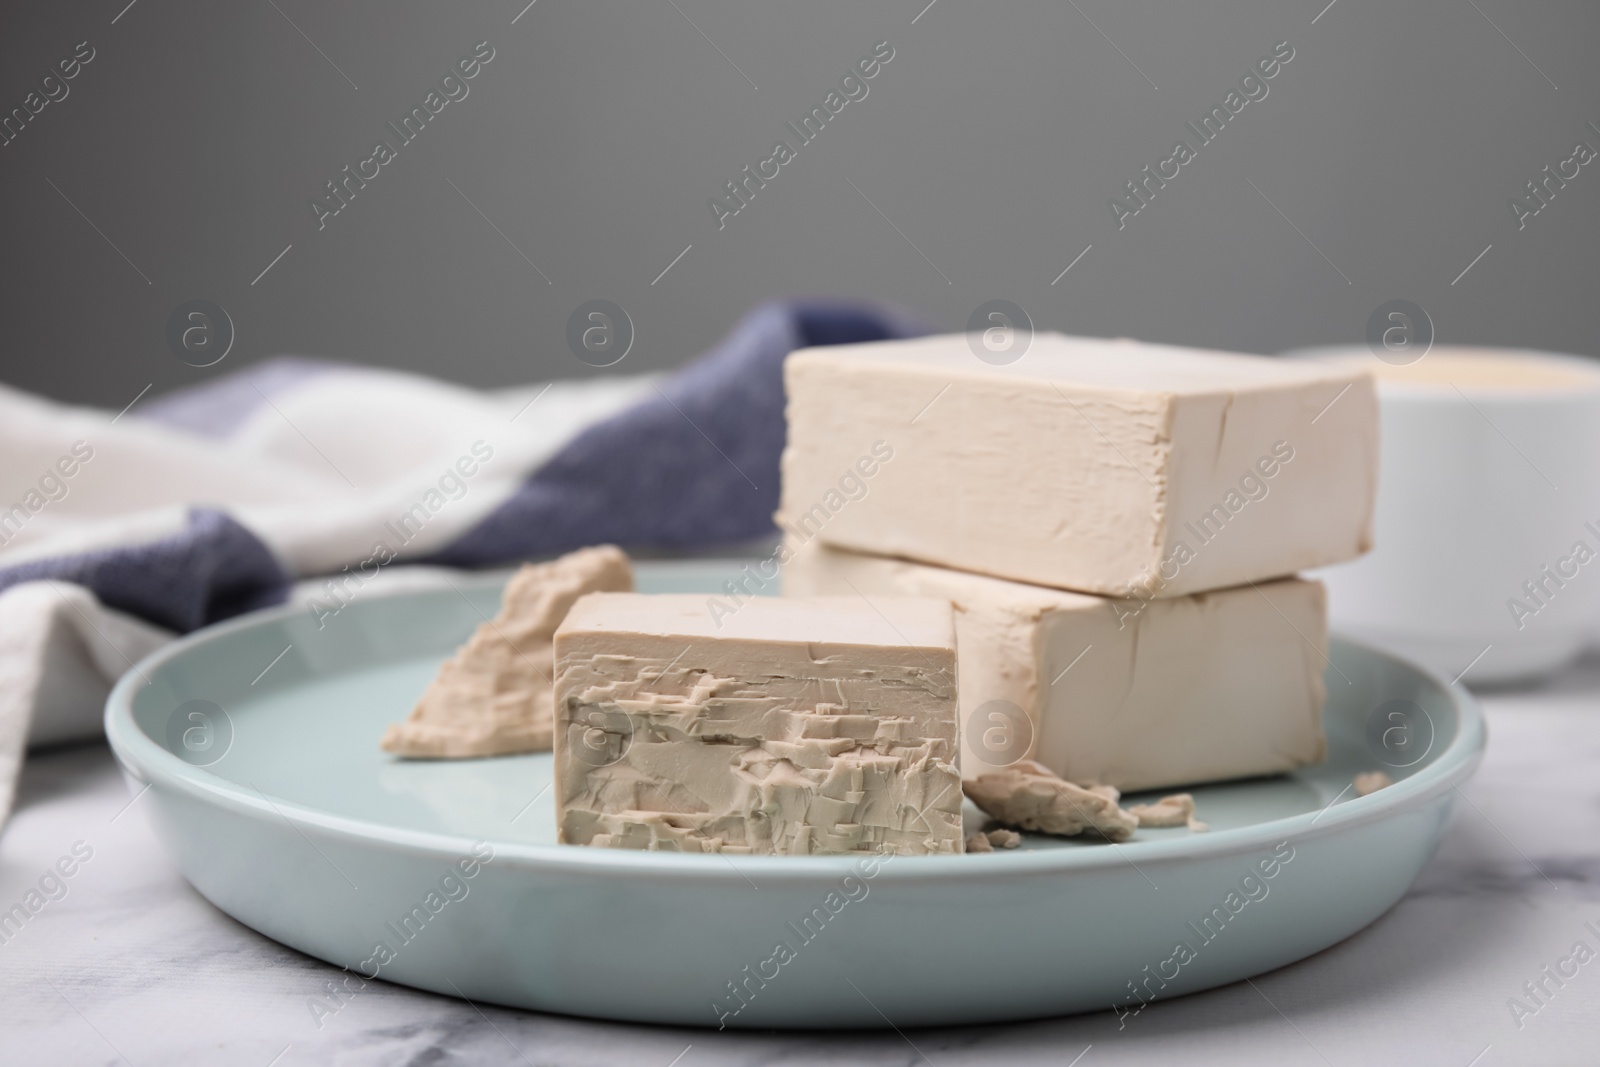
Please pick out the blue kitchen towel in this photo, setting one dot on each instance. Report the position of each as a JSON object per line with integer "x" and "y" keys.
{"x": 119, "y": 531}
{"x": 693, "y": 462}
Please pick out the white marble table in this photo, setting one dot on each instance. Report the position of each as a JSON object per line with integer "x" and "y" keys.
{"x": 133, "y": 965}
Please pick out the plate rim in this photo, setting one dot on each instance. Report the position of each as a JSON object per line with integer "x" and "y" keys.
{"x": 149, "y": 763}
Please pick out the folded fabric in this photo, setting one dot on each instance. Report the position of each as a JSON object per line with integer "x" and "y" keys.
{"x": 117, "y": 533}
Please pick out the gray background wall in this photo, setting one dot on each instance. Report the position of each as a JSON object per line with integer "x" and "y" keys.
{"x": 993, "y": 141}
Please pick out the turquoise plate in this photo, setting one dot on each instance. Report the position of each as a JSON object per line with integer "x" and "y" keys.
{"x": 258, "y": 743}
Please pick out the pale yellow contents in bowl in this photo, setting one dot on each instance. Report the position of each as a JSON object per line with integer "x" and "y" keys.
{"x": 1472, "y": 368}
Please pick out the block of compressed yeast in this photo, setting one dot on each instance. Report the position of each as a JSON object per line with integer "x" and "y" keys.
{"x": 494, "y": 696}
{"x": 814, "y": 725}
{"x": 1109, "y": 467}
{"x": 1131, "y": 693}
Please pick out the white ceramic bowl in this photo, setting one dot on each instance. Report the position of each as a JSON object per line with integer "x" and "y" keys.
{"x": 1489, "y": 472}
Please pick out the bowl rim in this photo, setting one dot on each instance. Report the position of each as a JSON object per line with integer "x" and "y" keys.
{"x": 1427, "y": 391}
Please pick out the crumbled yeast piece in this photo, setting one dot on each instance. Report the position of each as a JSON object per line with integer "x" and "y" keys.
{"x": 993, "y": 839}
{"x": 1028, "y": 795}
{"x": 493, "y": 697}
{"x": 1175, "y": 810}
{"x": 1371, "y": 782}
{"x": 1003, "y": 838}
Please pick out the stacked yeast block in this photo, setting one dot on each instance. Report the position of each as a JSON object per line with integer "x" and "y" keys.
{"x": 1124, "y": 693}
{"x": 1106, "y": 467}
{"x": 1115, "y": 523}
{"x": 816, "y": 725}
